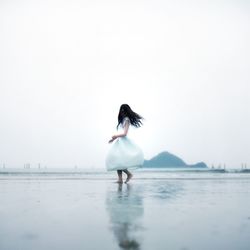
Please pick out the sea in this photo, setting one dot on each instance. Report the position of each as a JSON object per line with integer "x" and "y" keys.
{"x": 159, "y": 209}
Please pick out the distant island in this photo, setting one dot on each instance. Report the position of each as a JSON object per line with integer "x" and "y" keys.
{"x": 168, "y": 160}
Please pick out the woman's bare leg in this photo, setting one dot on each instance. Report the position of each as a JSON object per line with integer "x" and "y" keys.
{"x": 129, "y": 175}
{"x": 119, "y": 173}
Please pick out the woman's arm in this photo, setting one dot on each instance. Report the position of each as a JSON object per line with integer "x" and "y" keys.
{"x": 126, "y": 127}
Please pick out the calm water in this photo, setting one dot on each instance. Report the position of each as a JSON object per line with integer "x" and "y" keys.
{"x": 76, "y": 209}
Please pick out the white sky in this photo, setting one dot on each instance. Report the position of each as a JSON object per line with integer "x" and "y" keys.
{"x": 67, "y": 66}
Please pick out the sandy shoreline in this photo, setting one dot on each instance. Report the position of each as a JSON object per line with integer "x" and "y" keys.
{"x": 146, "y": 214}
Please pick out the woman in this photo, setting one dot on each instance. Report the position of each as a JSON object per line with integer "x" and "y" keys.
{"x": 124, "y": 153}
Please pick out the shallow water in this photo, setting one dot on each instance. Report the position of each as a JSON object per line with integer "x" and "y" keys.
{"x": 157, "y": 210}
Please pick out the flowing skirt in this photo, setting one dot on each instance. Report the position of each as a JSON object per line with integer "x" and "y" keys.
{"x": 124, "y": 154}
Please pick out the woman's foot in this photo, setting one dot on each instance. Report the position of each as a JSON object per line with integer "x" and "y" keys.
{"x": 119, "y": 173}
{"x": 119, "y": 181}
{"x": 129, "y": 178}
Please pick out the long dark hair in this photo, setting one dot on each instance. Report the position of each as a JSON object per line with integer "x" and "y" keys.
{"x": 126, "y": 111}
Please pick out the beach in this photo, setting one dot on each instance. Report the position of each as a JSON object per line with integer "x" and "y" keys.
{"x": 157, "y": 210}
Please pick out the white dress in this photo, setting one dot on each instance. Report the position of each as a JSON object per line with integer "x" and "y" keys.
{"x": 124, "y": 153}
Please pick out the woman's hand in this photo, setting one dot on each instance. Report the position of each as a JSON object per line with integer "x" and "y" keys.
{"x": 113, "y": 138}
{"x": 121, "y": 135}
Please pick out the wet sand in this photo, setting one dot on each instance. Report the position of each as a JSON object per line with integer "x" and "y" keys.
{"x": 148, "y": 213}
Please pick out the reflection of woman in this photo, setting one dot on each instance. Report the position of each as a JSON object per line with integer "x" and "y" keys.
{"x": 125, "y": 209}
{"x": 124, "y": 153}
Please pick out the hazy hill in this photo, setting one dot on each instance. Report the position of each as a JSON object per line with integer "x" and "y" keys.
{"x": 165, "y": 159}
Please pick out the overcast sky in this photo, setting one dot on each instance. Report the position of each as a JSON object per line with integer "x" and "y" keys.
{"x": 66, "y": 66}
